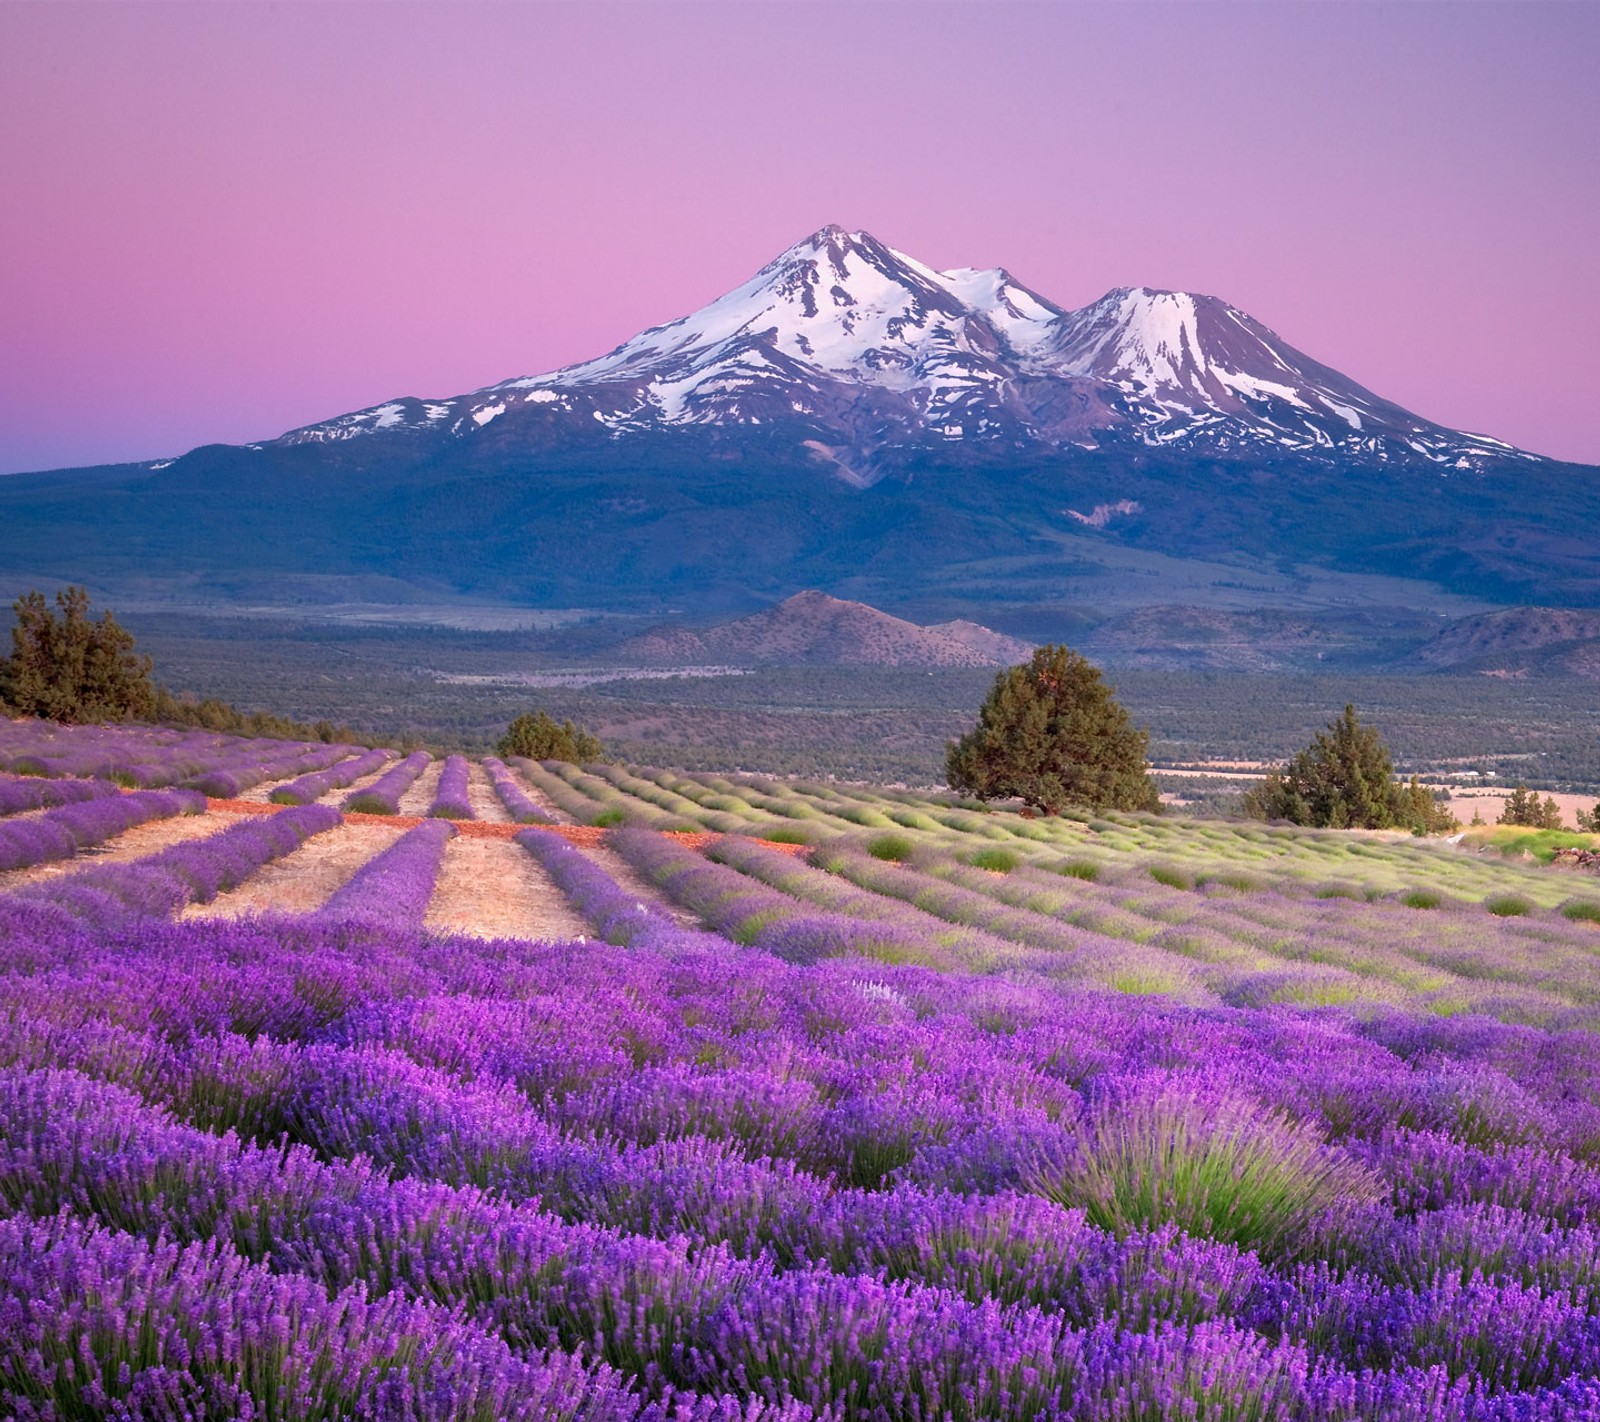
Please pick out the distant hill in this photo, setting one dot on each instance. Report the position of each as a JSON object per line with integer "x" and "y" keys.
{"x": 1174, "y": 637}
{"x": 1521, "y": 641}
{"x": 813, "y": 629}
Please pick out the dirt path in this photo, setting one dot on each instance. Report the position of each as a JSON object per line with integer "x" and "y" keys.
{"x": 419, "y": 798}
{"x": 135, "y": 843}
{"x": 485, "y": 803}
{"x": 493, "y": 888}
{"x": 305, "y": 879}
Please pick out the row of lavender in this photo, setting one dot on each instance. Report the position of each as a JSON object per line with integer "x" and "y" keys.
{"x": 152, "y": 757}
{"x": 901, "y": 1156}
{"x": 326, "y": 1158}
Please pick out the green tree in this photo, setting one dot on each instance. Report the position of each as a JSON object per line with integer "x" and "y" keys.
{"x": 1052, "y": 734}
{"x": 1523, "y": 807}
{"x": 541, "y": 738}
{"x": 1589, "y": 820}
{"x": 1345, "y": 780}
{"x": 73, "y": 668}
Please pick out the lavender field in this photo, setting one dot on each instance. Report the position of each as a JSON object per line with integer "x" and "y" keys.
{"x": 845, "y": 1103}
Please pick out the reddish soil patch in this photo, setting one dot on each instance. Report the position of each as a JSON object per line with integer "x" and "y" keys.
{"x": 243, "y": 807}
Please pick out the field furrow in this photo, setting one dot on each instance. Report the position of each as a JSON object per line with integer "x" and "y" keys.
{"x": 304, "y": 880}
{"x": 493, "y": 888}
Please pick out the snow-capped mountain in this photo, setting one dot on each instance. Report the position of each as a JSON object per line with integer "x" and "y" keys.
{"x": 852, "y": 349}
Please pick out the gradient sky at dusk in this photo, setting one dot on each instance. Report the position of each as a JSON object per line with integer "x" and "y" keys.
{"x": 218, "y": 222}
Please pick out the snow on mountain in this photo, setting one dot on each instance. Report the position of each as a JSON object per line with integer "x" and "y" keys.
{"x": 850, "y": 347}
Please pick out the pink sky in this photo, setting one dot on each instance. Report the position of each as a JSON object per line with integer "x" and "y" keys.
{"x": 218, "y": 222}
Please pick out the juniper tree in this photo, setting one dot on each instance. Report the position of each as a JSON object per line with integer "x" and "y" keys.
{"x": 1524, "y": 808}
{"x": 1345, "y": 780}
{"x": 73, "y": 669}
{"x": 540, "y": 737}
{"x": 1052, "y": 734}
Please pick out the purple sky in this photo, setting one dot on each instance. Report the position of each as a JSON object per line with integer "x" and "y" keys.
{"x": 221, "y": 221}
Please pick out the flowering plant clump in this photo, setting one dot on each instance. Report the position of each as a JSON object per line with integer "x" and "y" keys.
{"x": 518, "y": 804}
{"x": 63, "y": 831}
{"x": 18, "y": 796}
{"x": 382, "y": 797}
{"x": 312, "y": 787}
{"x": 394, "y": 887}
{"x": 451, "y": 801}
{"x": 1073, "y": 1124}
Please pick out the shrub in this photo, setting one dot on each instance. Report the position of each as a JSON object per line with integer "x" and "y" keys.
{"x": 1523, "y": 807}
{"x": 1581, "y": 910}
{"x": 1211, "y": 1163}
{"x": 1085, "y": 869}
{"x": 782, "y": 834}
{"x": 1422, "y": 899}
{"x": 995, "y": 859}
{"x": 1345, "y": 779}
{"x": 895, "y": 847}
{"x": 76, "y": 669}
{"x": 1507, "y": 905}
{"x": 1171, "y": 876}
{"x": 538, "y": 737}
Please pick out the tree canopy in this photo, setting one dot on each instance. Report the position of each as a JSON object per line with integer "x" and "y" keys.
{"x": 539, "y": 737}
{"x": 1523, "y": 807}
{"x": 1052, "y": 734}
{"x": 73, "y": 668}
{"x": 1345, "y": 780}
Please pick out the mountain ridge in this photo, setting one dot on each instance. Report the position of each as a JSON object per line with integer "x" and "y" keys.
{"x": 962, "y": 446}
{"x": 810, "y": 628}
{"x": 858, "y": 348}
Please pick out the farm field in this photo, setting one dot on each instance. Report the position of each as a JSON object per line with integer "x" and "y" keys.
{"x": 338, "y": 1083}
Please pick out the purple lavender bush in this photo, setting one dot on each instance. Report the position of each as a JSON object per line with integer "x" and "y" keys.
{"x": 62, "y": 832}
{"x": 394, "y": 887}
{"x": 310, "y": 788}
{"x": 19, "y": 796}
{"x": 197, "y": 871}
{"x": 335, "y": 1165}
{"x": 451, "y": 801}
{"x": 618, "y": 917}
{"x": 382, "y": 797}
{"x": 519, "y": 805}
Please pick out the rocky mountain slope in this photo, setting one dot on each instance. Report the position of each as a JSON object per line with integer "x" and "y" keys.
{"x": 813, "y": 629}
{"x": 856, "y": 350}
{"x": 944, "y": 444}
{"x": 1519, "y": 642}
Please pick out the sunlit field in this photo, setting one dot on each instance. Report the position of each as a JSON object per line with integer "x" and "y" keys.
{"x": 337, "y": 1084}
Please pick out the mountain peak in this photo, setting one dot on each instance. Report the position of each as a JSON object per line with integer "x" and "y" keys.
{"x": 858, "y": 351}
